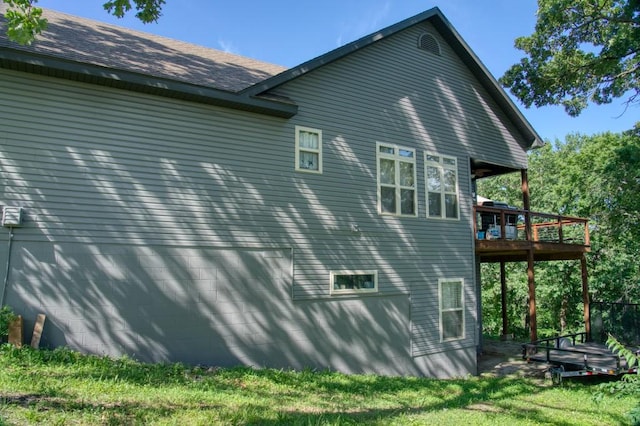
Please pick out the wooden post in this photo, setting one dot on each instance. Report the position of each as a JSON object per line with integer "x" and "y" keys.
{"x": 560, "y": 234}
{"x": 587, "y": 239}
{"x": 37, "y": 331}
{"x": 15, "y": 332}
{"x": 585, "y": 297}
{"x": 533, "y": 323}
{"x": 526, "y": 203}
{"x": 503, "y": 299}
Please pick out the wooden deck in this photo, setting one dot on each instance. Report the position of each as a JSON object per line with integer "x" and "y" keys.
{"x": 502, "y": 235}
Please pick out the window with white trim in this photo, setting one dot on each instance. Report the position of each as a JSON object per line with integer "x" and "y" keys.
{"x": 351, "y": 282}
{"x": 308, "y": 150}
{"x": 451, "y": 309}
{"x": 441, "y": 175}
{"x": 397, "y": 193}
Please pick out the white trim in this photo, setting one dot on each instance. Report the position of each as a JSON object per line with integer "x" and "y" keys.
{"x": 397, "y": 158}
{"x": 373, "y": 289}
{"x": 441, "y": 166}
{"x": 318, "y": 151}
{"x": 461, "y": 309}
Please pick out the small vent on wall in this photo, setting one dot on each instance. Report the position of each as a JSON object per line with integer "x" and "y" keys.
{"x": 429, "y": 43}
{"x": 11, "y": 216}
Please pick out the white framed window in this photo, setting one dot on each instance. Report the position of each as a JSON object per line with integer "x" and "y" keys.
{"x": 441, "y": 175}
{"x": 353, "y": 282}
{"x": 451, "y": 292}
{"x": 397, "y": 193}
{"x": 308, "y": 150}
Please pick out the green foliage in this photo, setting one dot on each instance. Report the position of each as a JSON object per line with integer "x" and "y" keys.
{"x": 623, "y": 186}
{"x": 629, "y": 385}
{"x": 147, "y": 10}
{"x": 6, "y": 317}
{"x": 581, "y": 51}
{"x": 25, "y": 21}
{"x": 516, "y": 300}
{"x": 633, "y": 360}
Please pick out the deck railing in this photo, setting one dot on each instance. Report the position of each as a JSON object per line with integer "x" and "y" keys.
{"x": 495, "y": 223}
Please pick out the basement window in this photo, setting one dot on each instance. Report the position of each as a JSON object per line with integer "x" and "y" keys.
{"x": 354, "y": 282}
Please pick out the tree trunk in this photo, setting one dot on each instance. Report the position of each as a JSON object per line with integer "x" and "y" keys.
{"x": 563, "y": 313}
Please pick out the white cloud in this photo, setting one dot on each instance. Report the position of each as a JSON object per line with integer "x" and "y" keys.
{"x": 229, "y": 47}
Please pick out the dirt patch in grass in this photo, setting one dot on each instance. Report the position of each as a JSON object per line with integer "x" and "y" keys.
{"x": 504, "y": 358}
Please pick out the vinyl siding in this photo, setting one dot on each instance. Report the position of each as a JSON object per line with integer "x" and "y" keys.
{"x": 98, "y": 168}
{"x": 395, "y": 93}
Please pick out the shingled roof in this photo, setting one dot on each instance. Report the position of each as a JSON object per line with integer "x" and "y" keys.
{"x": 91, "y": 42}
{"x": 94, "y": 52}
{"x": 85, "y": 50}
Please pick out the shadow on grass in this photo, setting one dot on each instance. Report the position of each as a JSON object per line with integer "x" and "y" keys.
{"x": 245, "y": 395}
{"x": 121, "y": 412}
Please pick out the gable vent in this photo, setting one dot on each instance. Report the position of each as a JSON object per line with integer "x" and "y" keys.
{"x": 429, "y": 43}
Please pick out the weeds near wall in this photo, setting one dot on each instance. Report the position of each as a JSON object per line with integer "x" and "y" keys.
{"x": 6, "y": 318}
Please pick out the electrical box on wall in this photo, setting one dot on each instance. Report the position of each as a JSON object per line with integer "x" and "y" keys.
{"x": 11, "y": 216}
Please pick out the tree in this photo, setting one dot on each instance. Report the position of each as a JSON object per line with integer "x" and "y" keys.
{"x": 597, "y": 177}
{"x": 581, "y": 51}
{"x": 25, "y": 21}
{"x": 624, "y": 186}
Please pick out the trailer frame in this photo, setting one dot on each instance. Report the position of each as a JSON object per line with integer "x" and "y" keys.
{"x": 574, "y": 355}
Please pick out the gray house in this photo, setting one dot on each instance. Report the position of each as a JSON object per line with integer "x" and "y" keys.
{"x": 177, "y": 203}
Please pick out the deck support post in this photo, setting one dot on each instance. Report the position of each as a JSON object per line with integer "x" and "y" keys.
{"x": 585, "y": 297}
{"x": 533, "y": 323}
{"x": 526, "y": 203}
{"x": 503, "y": 299}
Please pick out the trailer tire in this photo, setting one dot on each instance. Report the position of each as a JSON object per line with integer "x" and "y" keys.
{"x": 556, "y": 375}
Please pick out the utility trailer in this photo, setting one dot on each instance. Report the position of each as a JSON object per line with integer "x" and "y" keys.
{"x": 574, "y": 356}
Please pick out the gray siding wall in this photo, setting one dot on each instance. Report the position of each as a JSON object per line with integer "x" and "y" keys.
{"x": 395, "y": 93}
{"x": 117, "y": 186}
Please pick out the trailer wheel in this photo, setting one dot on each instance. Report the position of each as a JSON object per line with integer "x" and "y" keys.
{"x": 556, "y": 375}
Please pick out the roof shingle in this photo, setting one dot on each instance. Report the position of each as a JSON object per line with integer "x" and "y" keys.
{"x": 91, "y": 42}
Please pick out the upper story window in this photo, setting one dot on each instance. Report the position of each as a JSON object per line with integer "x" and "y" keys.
{"x": 308, "y": 150}
{"x": 397, "y": 193}
{"x": 441, "y": 174}
{"x": 451, "y": 309}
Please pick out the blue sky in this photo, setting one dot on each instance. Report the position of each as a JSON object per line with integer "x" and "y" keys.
{"x": 289, "y": 32}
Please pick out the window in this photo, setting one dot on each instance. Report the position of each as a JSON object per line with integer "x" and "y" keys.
{"x": 451, "y": 309}
{"x": 350, "y": 282}
{"x": 441, "y": 176}
{"x": 396, "y": 180}
{"x": 308, "y": 150}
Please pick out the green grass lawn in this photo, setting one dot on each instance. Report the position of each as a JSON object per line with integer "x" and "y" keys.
{"x": 64, "y": 387}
